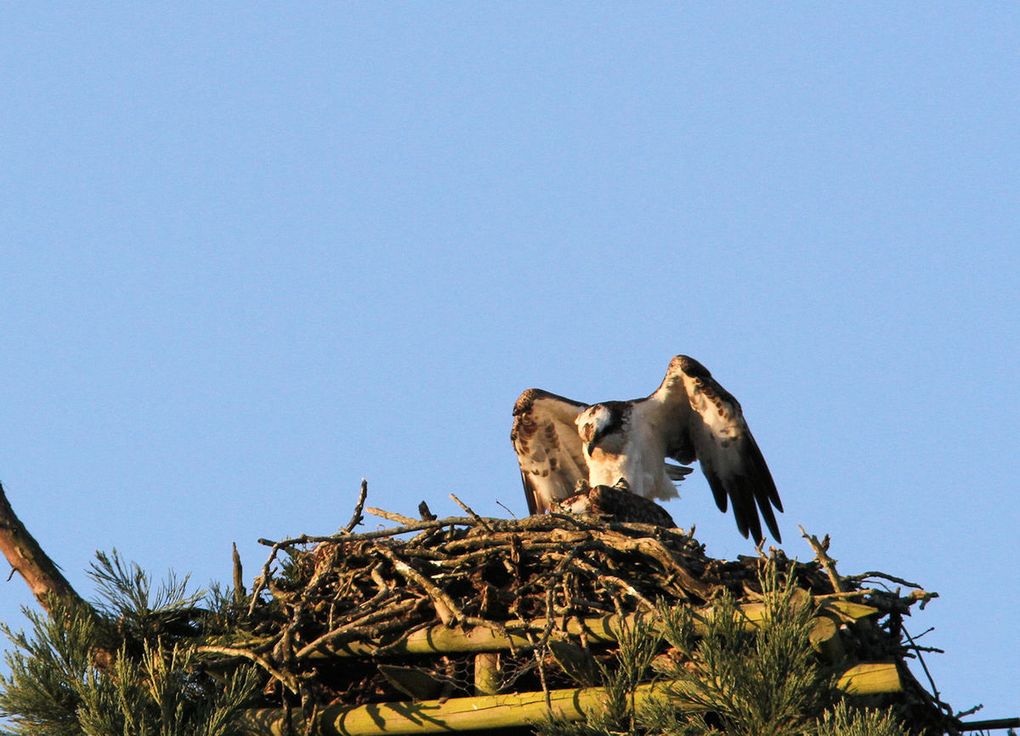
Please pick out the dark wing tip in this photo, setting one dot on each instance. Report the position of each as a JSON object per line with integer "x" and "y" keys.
{"x": 765, "y": 492}
{"x": 740, "y": 476}
{"x": 770, "y": 520}
{"x": 718, "y": 490}
{"x": 743, "y": 509}
{"x": 749, "y": 492}
{"x": 755, "y": 492}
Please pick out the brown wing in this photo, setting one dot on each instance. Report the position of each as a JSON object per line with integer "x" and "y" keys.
{"x": 548, "y": 447}
{"x": 628, "y": 507}
{"x": 709, "y": 426}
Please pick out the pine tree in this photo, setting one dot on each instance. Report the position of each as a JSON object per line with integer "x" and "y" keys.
{"x": 154, "y": 686}
{"x": 730, "y": 681}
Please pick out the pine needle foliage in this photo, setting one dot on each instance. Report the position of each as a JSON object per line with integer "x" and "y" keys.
{"x": 842, "y": 720}
{"x": 155, "y": 686}
{"x": 731, "y": 681}
{"x": 755, "y": 683}
{"x": 47, "y": 670}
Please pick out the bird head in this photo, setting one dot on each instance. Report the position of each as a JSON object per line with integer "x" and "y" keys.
{"x": 602, "y": 426}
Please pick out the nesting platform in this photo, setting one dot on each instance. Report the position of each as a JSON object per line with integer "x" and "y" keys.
{"x": 476, "y": 624}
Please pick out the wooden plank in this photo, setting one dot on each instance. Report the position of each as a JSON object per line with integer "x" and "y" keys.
{"x": 487, "y": 674}
{"x": 441, "y": 639}
{"x": 871, "y": 679}
{"x": 518, "y": 709}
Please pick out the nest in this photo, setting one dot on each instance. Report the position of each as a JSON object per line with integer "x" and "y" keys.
{"x": 416, "y": 611}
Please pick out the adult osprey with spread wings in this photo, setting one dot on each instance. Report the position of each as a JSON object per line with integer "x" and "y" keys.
{"x": 689, "y": 417}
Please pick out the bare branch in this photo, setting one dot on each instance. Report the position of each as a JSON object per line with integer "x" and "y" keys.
{"x": 26, "y": 557}
{"x": 390, "y": 516}
{"x": 821, "y": 549}
{"x": 357, "y": 518}
{"x": 471, "y": 512}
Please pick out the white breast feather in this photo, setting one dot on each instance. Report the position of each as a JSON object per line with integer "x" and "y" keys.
{"x": 643, "y": 461}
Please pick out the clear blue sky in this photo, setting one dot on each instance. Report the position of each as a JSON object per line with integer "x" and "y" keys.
{"x": 251, "y": 254}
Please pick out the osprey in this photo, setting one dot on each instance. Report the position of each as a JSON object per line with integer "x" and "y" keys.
{"x": 560, "y": 442}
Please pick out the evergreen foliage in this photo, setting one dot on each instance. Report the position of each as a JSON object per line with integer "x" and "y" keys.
{"x": 730, "y": 681}
{"x": 155, "y": 685}
{"x": 842, "y": 720}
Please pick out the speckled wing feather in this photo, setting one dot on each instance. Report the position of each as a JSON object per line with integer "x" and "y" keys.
{"x": 548, "y": 447}
{"x": 712, "y": 430}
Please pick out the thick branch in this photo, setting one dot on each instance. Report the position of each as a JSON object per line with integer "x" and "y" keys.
{"x": 44, "y": 578}
{"x": 26, "y": 556}
{"x": 996, "y": 723}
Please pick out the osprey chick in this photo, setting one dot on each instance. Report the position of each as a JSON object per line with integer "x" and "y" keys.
{"x": 689, "y": 417}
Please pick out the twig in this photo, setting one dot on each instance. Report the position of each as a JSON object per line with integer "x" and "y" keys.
{"x": 404, "y": 636}
{"x": 920, "y": 658}
{"x": 288, "y": 680}
{"x": 357, "y": 518}
{"x": 924, "y": 596}
{"x": 452, "y": 613}
{"x": 365, "y": 536}
{"x": 617, "y": 583}
{"x": 323, "y": 567}
{"x": 390, "y": 516}
{"x": 822, "y": 554}
{"x": 263, "y": 580}
{"x": 471, "y": 513}
{"x": 389, "y": 612}
{"x": 238, "y": 577}
{"x": 657, "y": 551}
{"x": 876, "y": 574}
{"x": 846, "y": 594}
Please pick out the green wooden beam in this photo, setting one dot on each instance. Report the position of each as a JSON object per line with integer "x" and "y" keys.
{"x": 440, "y": 639}
{"x": 491, "y": 712}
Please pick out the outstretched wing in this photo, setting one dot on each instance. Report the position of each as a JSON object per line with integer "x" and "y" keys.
{"x": 548, "y": 447}
{"x": 705, "y": 422}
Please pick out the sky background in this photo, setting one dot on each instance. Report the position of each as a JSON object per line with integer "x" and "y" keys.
{"x": 251, "y": 254}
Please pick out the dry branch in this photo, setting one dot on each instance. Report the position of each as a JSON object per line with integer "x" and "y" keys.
{"x": 356, "y": 518}
{"x": 43, "y": 576}
{"x": 821, "y": 549}
{"x": 25, "y": 556}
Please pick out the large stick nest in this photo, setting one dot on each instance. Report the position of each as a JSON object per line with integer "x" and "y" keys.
{"x": 329, "y": 618}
